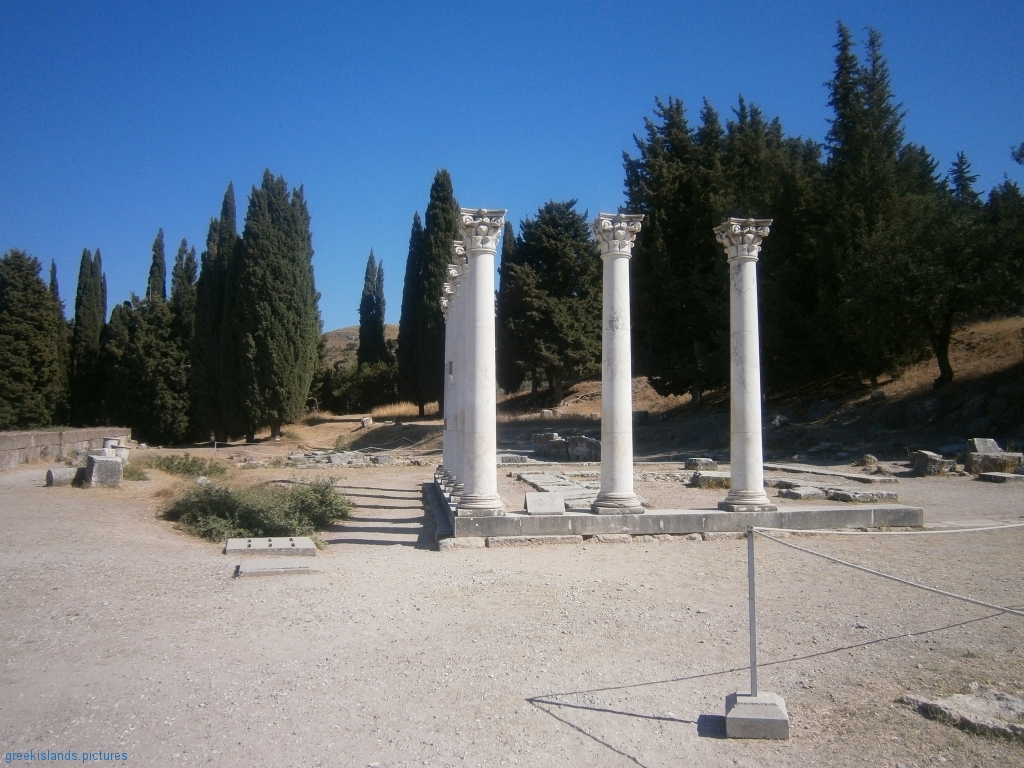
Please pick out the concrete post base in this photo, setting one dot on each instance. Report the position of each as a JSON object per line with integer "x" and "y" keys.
{"x": 730, "y": 506}
{"x": 756, "y": 717}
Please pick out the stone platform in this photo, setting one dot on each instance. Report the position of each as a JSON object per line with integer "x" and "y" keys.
{"x": 582, "y": 522}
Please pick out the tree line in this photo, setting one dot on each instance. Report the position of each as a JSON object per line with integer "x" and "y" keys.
{"x": 234, "y": 348}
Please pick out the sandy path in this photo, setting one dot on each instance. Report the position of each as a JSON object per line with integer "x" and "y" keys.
{"x": 120, "y": 633}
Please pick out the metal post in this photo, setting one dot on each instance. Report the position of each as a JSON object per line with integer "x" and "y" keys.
{"x": 752, "y": 608}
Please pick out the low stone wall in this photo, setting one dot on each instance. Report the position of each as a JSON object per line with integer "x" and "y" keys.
{"x": 51, "y": 445}
{"x": 575, "y": 448}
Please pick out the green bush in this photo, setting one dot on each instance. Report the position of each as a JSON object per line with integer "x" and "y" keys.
{"x": 134, "y": 472}
{"x": 186, "y": 465}
{"x": 216, "y": 513}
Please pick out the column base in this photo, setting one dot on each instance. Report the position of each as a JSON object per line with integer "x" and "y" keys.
{"x": 479, "y": 505}
{"x": 616, "y": 504}
{"x": 746, "y": 506}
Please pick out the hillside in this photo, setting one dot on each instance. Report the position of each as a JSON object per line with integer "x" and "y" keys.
{"x": 343, "y": 343}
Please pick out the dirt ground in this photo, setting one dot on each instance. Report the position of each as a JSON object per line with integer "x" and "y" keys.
{"x": 120, "y": 633}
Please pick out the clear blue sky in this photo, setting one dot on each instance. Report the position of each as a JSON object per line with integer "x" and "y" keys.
{"x": 120, "y": 118}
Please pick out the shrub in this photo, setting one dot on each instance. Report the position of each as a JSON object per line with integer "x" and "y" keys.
{"x": 134, "y": 472}
{"x": 215, "y": 512}
{"x": 186, "y": 465}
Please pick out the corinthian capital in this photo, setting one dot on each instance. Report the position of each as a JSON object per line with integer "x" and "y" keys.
{"x": 742, "y": 237}
{"x": 481, "y": 228}
{"x": 458, "y": 252}
{"x": 615, "y": 232}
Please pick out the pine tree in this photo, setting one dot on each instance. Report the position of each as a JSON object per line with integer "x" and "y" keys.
{"x": 408, "y": 324}
{"x": 510, "y": 372}
{"x": 440, "y": 229}
{"x": 30, "y": 338}
{"x": 272, "y": 308}
{"x": 157, "y": 287}
{"x": 207, "y": 397}
{"x": 556, "y": 279}
{"x": 90, "y": 312}
{"x": 372, "y": 346}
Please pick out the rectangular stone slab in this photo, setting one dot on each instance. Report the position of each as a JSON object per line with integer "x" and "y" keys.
{"x": 1001, "y": 477}
{"x": 983, "y": 445}
{"x": 277, "y": 545}
{"x": 273, "y": 567}
{"x": 811, "y": 470}
{"x": 544, "y": 504}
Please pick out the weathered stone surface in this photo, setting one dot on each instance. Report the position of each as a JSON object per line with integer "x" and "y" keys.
{"x": 983, "y": 445}
{"x": 382, "y": 460}
{"x": 802, "y": 492}
{"x": 582, "y": 448}
{"x": 544, "y": 504}
{"x": 860, "y": 497}
{"x": 928, "y": 464}
{"x": 991, "y": 712}
{"x": 108, "y": 452}
{"x": 711, "y": 479}
{"x": 812, "y": 470}
{"x": 21, "y": 447}
{"x": 366, "y": 421}
{"x": 465, "y": 542}
{"x": 270, "y": 568}
{"x": 1001, "y": 477}
{"x": 702, "y": 464}
{"x": 511, "y": 458}
{"x": 611, "y": 538}
{"x": 976, "y": 463}
{"x": 506, "y": 542}
{"x": 66, "y": 476}
{"x": 756, "y": 717}
{"x": 104, "y": 471}
{"x": 299, "y": 546}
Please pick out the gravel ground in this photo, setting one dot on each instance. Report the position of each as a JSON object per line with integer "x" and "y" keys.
{"x": 120, "y": 633}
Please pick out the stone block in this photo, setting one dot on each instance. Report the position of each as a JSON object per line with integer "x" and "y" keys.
{"x": 802, "y": 492}
{"x": 860, "y": 497}
{"x": 544, "y": 504}
{"x": 104, "y": 470}
{"x": 301, "y": 546}
{"x": 983, "y": 445}
{"x": 270, "y": 568}
{"x": 382, "y": 460}
{"x": 611, "y": 538}
{"x": 464, "y": 542}
{"x": 107, "y": 452}
{"x": 928, "y": 464}
{"x": 976, "y": 463}
{"x": 702, "y": 464}
{"x": 711, "y": 479}
{"x": 511, "y": 458}
{"x": 366, "y": 421}
{"x": 756, "y": 717}
{"x": 559, "y": 449}
{"x": 507, "y": 542}
{"x": 1001, "y": 477}
{"x": 582, "y": 448}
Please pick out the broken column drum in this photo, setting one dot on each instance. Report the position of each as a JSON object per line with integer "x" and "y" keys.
{"x": 742, "y": 241}
{"x": 480, "y": 229}
{"x": 615, "y": 234}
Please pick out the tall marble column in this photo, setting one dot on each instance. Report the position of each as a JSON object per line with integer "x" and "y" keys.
{"x": 480, "y": 231}
{"x": 742, "y": 241}
{"x": 444, "y": 471}
{"x": 457, "y": 274}
{"x": 615, "y": 234}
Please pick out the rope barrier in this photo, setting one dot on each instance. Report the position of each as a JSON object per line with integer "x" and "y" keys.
{"x": 891, "y": 533}
{"x": 897, "y": 579}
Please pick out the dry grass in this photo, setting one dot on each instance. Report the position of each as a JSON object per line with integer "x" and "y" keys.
{"x": 404, "y": 410}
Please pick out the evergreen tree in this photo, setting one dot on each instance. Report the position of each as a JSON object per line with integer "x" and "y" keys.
{"x": 1018, "y": 153}
{"x": 157, "y": 287}
{"x": 372, "y": 347}
{"x": 183, "y": 295}
{"x": 440, "y": 229}
{"x": 62, "y": 411}
{"x": 90, "y": 312}
{"x": 556, "y": 279}
{"x": 30, "y": 345}
{"x": 408, "y": 324}
{"x": 208, "y": 396}
{"x": 272, "y": 309}
{"x": 510, "y": 373}
{"x": 122, "y": 402}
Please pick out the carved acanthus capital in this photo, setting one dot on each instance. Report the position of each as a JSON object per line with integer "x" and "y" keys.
{"x": 458, "y": 252}
{"x": 446, "y": 306}
{"x": 616, "y": 232}
{"x": 742, "y": 237}
{"x": 481, "y": 228}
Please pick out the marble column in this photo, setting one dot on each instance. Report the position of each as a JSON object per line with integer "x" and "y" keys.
{"x": 742, "y": 241}
{"x": 458, "y": 277}
{"x": 480, "y": 232}
{"x": 615, "y": 234}
{"x": 443, "y": 473}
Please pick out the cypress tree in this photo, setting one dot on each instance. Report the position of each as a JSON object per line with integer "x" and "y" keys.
{"x": 157, "y": 287}
{"x": 183, "y": 295}
{"x": 90, "y": 312}
{"x": 510, "y": 373}
{"x": 122, "y": 401}
{"x": 372, "y": 346}
{"x": 207, "y": 352}
{"x": 408, "y": 323}
{"x": 272, "y": 308}
{"x": 1017, "y": 153}
{"x": 30, "y": 337}
{"x": 62, "y": 411}
{"x": 440, "y": 228}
